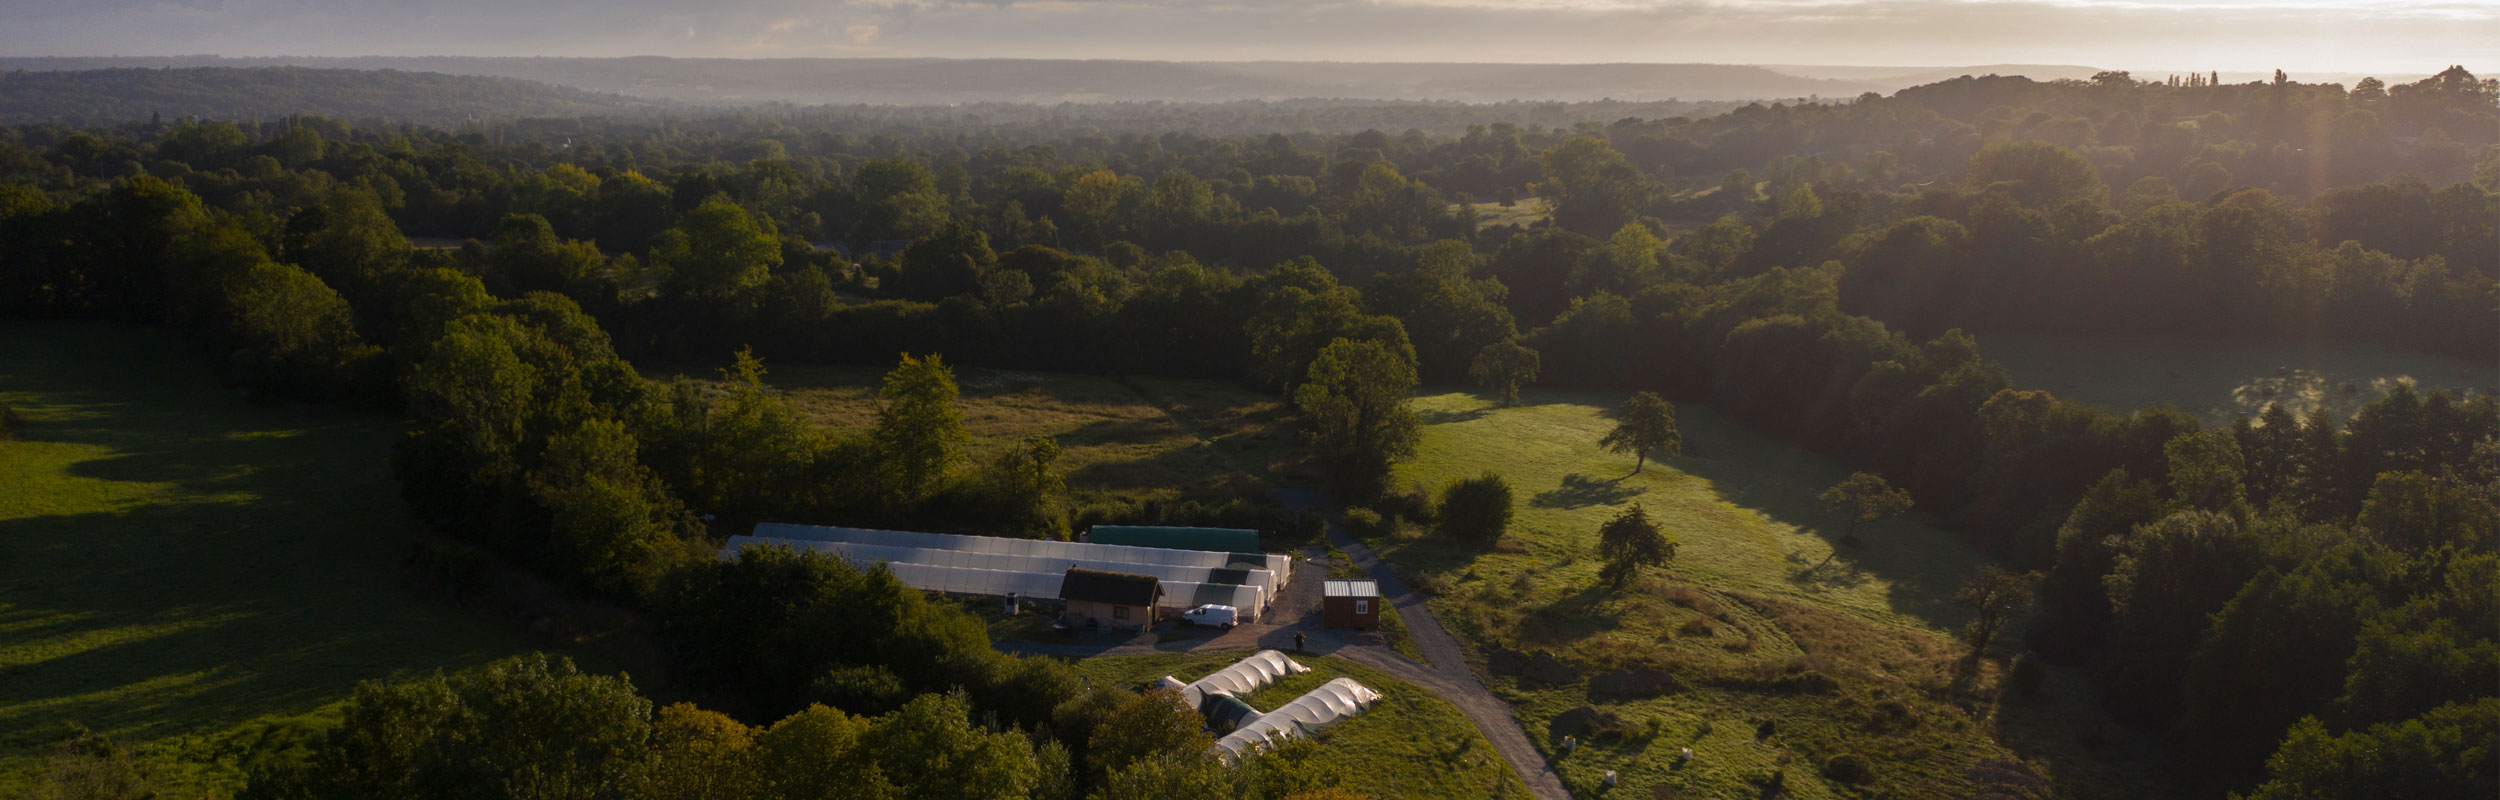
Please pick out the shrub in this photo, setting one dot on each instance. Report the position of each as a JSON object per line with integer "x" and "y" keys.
{"x": 11, "y": 425}
{"x": 866, "y": 691}
{"x": 1849, "y": 768}
{"x": 1365, "y": 523}
{"x": 1477, "y": 509}
{"x": 1412, "y": 503}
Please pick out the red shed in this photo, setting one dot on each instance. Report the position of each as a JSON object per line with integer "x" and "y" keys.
{"x": 1350, "y": 604}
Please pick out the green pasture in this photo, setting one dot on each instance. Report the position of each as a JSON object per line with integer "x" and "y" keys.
{"x": 187, "y": 571}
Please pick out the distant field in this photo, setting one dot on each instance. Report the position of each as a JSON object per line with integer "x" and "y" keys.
{"x": 1410, "y": 745}
{"x": 1137, "y": 438}
{"x": 2221, "y": 380}
{"x": 1750, "y": 598}
{"x": 1523, "y": 213}
{"x": 188, "y": 572}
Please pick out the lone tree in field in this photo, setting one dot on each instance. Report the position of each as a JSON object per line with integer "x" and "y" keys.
{"x": 1629, "y": 542}
{"x": 1994, "y": 592}
{"x": 1645, "y": 425}
{"x": 1867, "y": 498}
{"x": 1504, "y": 365}
{"x": 919, "y": 433}
{"x": 1476, "y": 510}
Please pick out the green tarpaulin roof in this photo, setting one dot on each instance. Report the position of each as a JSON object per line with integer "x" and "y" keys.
{"x": 1213, "y": 540}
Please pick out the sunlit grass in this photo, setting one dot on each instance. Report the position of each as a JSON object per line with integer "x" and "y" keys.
{"x": 186, "y": 571}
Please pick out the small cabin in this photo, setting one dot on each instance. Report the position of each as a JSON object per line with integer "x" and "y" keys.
{"x": 1110, "y": 599}
{"x": 1350, "y": 604}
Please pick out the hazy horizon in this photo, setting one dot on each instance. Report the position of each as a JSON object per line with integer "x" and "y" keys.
{"x": 2312, "y": 36}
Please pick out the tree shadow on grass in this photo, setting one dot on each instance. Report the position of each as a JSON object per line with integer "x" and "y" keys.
{"x": 1581, "y": 491}
{"x": 1435, "y": 416}
{"x": 200, "y": 562}
{"x": 1780, "y": 481}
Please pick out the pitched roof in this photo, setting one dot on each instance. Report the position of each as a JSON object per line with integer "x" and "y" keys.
{"x": 1109, "y": 587}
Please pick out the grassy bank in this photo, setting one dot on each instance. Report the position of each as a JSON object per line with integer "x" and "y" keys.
{"x": 1780, "y": 648}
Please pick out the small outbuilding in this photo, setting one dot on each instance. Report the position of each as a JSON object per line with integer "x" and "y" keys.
{"x": 1350, "y": 604}
{"x": 1110, "y": 599}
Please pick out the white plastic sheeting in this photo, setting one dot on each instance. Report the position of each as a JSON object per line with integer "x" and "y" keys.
{"x": 1322, "y": 707}
{"x": 1039, "y": 585}
{"x": 1280, "y": 564}
{"x": 1016, "y": 562}
{"x": 1248, "y": 675}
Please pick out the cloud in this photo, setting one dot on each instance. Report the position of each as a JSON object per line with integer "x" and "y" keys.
{"x": 2298, "y": 35}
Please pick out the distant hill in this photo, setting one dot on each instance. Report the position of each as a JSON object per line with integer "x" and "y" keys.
{"x": 245, "y": 93}
{"x": 916, "y": 81}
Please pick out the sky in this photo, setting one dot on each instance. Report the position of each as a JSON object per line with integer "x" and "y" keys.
{"x": 2145, "y": 35}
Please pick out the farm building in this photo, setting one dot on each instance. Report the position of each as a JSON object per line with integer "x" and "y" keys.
{"x": 1350, "y": 604}
{"x": 1213, "y": 540}
{"x": 1034, "y": 569}
{"x": 1110, "y": 599}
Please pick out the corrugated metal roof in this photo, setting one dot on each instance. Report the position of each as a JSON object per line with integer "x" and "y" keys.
{"x": 1362, "y": 588}
{"x": 1214, "y": 540}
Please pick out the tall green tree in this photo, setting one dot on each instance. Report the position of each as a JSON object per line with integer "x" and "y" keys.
{"x": 1645, "y": 425}
{"x": 920, "y": 434}
{"x": 720, "y": 253}
{"x": 1992, "y": 594}
{"x": 1503, "y": 366}
{"x": 1354, "y": 398}
{"x": 1629, "y": 542}
{"x": 1866, "y": 498}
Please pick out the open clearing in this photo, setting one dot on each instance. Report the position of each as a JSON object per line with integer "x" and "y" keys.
{"x": 1780, "y": 659}
{"x": 1525, "y": 212}
{"x": 1134, "y": 438}
{"x": 1410, "y": 745}
{"x": 187, "y": 572}
{"x": 2223, "y": 380}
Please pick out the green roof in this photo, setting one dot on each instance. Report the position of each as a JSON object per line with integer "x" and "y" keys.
{"x": 1213, "y": 540}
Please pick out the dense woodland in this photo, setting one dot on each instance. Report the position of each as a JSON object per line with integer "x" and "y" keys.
{"x": 2303, "y": 605}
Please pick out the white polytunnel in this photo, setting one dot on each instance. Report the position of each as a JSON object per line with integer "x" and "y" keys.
{"x": 1030, "y": 568}
{"x": 1280, "y": 564}
{"x": 1260, "y": 670}
{"x": 1327, "y": 705}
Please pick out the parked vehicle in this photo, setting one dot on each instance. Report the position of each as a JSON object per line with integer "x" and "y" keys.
{"x": 1212, "y": 616}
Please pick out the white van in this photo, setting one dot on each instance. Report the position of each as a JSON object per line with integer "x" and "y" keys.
{"x": 1212, "y": 616}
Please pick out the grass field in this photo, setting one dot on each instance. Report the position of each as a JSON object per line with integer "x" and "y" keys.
{"x": 2222, "y": 380}
{"x": 1410, "y": 745}
{"x": 1135, "y": 438}
{"x": 1523, "y": 213}
{"x": 1758, "y": 617}
{"x": 185, "y": 571}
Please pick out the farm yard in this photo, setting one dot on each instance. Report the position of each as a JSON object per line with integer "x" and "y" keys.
{"x": 2222, "y": 380}
{"x": 187, "y": 572}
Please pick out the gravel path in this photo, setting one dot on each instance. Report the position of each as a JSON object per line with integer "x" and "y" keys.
{"x": 1447, "y": 677}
